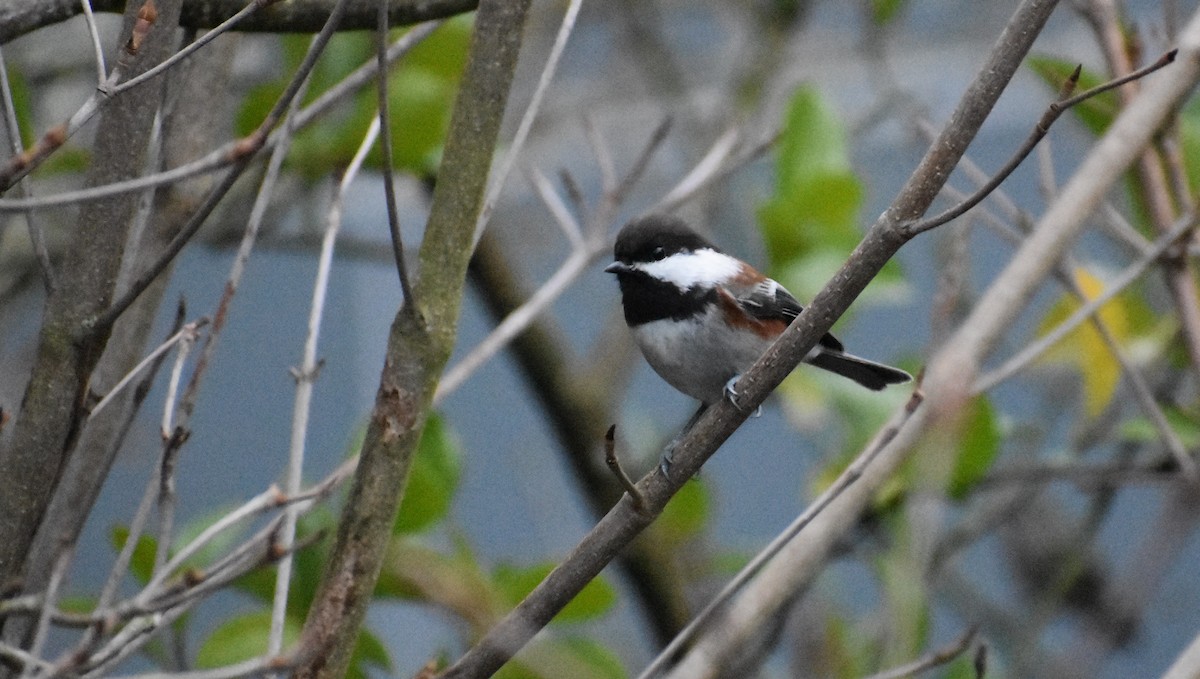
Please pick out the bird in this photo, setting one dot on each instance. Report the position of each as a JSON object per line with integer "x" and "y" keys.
{"x": 702, "y": 317}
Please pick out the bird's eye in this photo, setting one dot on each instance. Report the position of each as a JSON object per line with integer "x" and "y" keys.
{"x": 658, "y": 253}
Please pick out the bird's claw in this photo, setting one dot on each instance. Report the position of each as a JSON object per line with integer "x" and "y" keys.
{"x": 664, "y": 465}
{"x": 732, "y": 395}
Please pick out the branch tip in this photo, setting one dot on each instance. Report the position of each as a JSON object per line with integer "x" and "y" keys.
{"x": 1068, "y": 87}
{"x": 194, "y": 576}
{"x": 980, "y": 661}
{"x": 610, "y": 458}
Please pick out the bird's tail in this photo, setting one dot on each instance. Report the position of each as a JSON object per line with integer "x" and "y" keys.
{"x": 870, "y": 374}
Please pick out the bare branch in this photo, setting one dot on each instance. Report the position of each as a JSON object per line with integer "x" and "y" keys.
{"x": 419, "y": 344}
{"x": 247, "y": 149}
{"x": 305, "y": 377}
{"x": 1051, "y": 114}
{"x": 935, "y": 658}
{"x": 233, "y": 151}
{"x": 13, "y": 129}
{"x": 22, "y": 164}
{"x": 1031, "y": 352}
{"x": 385, "y": 146}
{"x": 90, "y": 19}
{"x": 188, "y": 331}
{"x": 847, "y": 478}
{"x": 18, "y": 17}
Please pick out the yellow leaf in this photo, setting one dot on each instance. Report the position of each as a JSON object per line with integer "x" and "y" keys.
{"x": 1084, "y": 347}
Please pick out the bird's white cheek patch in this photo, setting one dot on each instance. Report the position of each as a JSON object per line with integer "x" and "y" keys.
{"x": 687, "y": 270}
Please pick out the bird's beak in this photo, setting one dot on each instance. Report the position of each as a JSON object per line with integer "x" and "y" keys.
{"x": 618, "y": 267}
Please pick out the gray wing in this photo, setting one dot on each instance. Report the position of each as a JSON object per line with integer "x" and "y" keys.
{"x": 770, "y": 301}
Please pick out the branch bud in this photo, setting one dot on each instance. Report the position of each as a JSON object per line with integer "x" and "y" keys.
{"x": 146, "y": 17}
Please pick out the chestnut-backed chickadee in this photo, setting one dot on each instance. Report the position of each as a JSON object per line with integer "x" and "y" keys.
{"x": 701, "y": 317}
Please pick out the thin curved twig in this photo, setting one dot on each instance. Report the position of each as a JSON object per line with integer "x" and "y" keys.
{"x": 1052, "y": 113}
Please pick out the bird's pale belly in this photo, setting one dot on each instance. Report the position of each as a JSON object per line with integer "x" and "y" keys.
{"x": 697, "y": 357}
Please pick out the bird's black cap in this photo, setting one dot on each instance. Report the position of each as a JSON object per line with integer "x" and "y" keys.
{"x": 656, "y": 236}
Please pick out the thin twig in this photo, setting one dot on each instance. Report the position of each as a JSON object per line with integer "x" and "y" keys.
{"x": 207, "y": 37}
{"x": 187, "y": 331}
{"x": 243, "y": 559}
{"x": 709, "y": 165}
{"x": 246, "y": 668}
{"x": 619, "y": 191}
{"x": 695, "y": 182}
{"x": 169, "y": 407}
{"x": 258, "y": 211}
{"x": 385, "y": 146}
{"x": 97, "y": 48}
{"x": 305, "y": 377}
{"x": 935, "y": 658}
{"x": 1131, "y": 273}
{"x": 1052, "y": 113}
{"x": 558, "y": 209}
{"x": 514, "y": 323}
{"x": 228, "y": 153}
{"x": 247, "y": 149}
{"x": 535, "y": 104}
{"x": 42, "y": 629}
{"x": 1137, "y": 382}
{"x": 174, "y": 437}
{"x": 608, "y": 173}
{"x": 109, "y": 86}
{"x": 264, "y": 501}
{"x": 13, "y": 129}
{"x": 121, "y": 564}
{"x": 1124, "y": 473}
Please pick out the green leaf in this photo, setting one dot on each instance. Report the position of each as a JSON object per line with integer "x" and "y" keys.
{"x": 817, "y": 196}
{"x": 22, "y": 102}
{"x": 245, "y": 636}
{"x": 684, "y": 516}
{"x": 573, "y": 657}
{"x": 883, "y": 12}
{"x": 1189, "y": 136}
{"x": 368, "y": 651}
{"x": 845, "y": 652}
{"x": 1096, "y": 113}
{"x": 241, "y": 638}
{"x": 307, "y": 564}
{"x": 421, "y": 91}
{"x": 453, "y": 581}
{"x": 907, "y": 600}
{"x": 594, "y": 600}
{"x": 141, "y": 564}
{"x": 421, "y": 95}
{"x": 432, "y": 480}
{"x": 979, "y": 445}
{"x": 1186, "y": 425}
{"x": 810, "y": 222}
